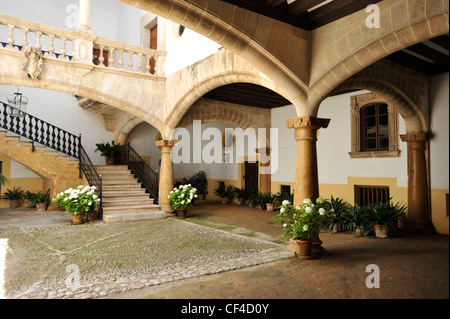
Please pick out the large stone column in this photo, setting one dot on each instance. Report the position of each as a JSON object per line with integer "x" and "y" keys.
{"x": 166, "y": 173}
{"x": 306, "y": 171}
{"x": 84, "y": 15}
{"x": 265, "y": 177}
{"x": 419, "y": 218}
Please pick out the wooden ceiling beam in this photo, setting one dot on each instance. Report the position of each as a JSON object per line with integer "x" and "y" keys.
{"x": 301, "y": 6}
{"x": 442, "y": 41}
{"x": 430, "y": 53}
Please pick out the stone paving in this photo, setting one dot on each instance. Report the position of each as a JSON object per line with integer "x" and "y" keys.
{"x": 97, "y": 260}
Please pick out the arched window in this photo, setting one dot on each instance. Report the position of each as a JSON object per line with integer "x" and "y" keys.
{"x": 374, "y": 127}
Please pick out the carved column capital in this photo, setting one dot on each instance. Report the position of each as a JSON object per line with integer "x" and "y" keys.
{"x": 307, "y": 122}
{"x": 415, "y": 137}
{"x": 306, "y": 127}
{"x": 166, "y": 143}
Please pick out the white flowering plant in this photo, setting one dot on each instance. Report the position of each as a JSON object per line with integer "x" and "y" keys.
{"x": 78, "y": 200}
{"x": 182, "y": 196}
{"x": 301, "y": 221}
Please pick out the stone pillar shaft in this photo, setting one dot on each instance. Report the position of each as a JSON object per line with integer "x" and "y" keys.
{"x": 306, "y": 171}
{"x": 84, "y": 15}
{"x": 418, "y": 206}
{"x": 165, "y": 174}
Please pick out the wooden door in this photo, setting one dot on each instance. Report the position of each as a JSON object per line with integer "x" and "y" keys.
{"x": 96, "y": 55}
{"x": 154, "y": 46}
{"x": 251, "y": 176}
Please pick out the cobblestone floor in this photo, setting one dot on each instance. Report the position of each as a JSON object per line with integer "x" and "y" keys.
{"x": 97, "y": 259}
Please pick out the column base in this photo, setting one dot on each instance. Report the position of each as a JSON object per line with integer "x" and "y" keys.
{"x": 425, "y": 229}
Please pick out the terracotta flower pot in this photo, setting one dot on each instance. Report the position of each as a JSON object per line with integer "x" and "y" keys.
{"x": 303, "y": 248}
{"x": 41, "y": 207}
{"x": 109, "y": 161}
{"x": 14, "y": 203}
{"x": 77, "y": 219}
{"x": 181, "y": 213}
{"x": 381, "y": 231}
{"x": 269, "y": 207}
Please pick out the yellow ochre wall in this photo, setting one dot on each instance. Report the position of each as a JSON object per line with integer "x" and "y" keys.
{"x": 27, "y": 184}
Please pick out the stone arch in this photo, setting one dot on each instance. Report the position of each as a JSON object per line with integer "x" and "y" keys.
{"x": 87, "y": 81}
{"x": 352, "y": 46}
{"x": 196, "y": 92}
{"x": 245, "y": 34}
{"x": 411, "y": 114}
{"x": 240, "y": 116}
{"x": 84, "y": 92}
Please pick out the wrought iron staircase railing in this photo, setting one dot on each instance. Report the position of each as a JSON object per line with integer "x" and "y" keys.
{"x": 143, "y": 172}
{"x": 44, "y": 133}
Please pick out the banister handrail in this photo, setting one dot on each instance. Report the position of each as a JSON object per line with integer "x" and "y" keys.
{"x": 49, "y": 135}
{"x": 144, "y": 173}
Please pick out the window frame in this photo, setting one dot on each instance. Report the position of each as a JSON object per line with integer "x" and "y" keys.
{"x": 358, "y": 102}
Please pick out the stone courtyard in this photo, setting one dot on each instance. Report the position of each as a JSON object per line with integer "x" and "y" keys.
{"x": 218, "y": 252}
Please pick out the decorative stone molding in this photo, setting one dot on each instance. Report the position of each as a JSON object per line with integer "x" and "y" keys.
{"x": 415, "y": 137}
{"x": 32, "y": 62}
{"x": 306, "y": 127}
{"x": 307, "y": 121}
{"x": 357, "y": 102}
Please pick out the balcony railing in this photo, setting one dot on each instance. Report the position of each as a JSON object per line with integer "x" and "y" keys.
{"x": 60, "y": 44}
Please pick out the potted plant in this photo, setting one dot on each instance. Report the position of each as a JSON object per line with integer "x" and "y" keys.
{"x": 341, "y": 217}
{"x": 200, "y": 182}
{"x": 108, "y": 151}
{"x": 78, "y": 202}
{"x": 226, "y": 193}
{"x": 38, "y": 200}
{"x": 384, "y": 217}
{"x": 299, "y": 223}
{"x": 280, "y": 197}
{"x": 42, "y": 200}
{"x": 241, "y": 195}
{"x": 180, "y": 198}
{"x": 268, "y": 200}
{"x": 254, "y": 199}
{"x": 14, "y": 196}
{"x": 358, "y": 221}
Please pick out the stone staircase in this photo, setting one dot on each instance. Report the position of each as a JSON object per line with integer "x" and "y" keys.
{"x": 123, "y": 197}
{"x": 58, "y": 170}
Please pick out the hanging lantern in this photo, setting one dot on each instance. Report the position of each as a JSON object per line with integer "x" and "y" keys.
{"x": 17, "y": 104}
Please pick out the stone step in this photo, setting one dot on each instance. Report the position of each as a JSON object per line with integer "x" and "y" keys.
{"x": 126, "y": 201}
{"x": 123, "y": 186}
{"x": 127, "y": 177}
{"x": 130, "y": 208}
{"x": 124, "y": 193}
{"x": 123, "y": 183}
{"x": 111, "y": 168}
{"x": 138, "y": 215}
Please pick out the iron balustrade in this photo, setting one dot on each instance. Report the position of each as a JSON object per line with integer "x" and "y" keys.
{"x": 49, "y": 135}
{"x": 40, "y": 131}
{"x": 143, "y": 172}
{"x": 92, "y": 176}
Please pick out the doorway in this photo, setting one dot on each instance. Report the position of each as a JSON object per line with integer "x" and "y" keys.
{"x": 251, "y": 176}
